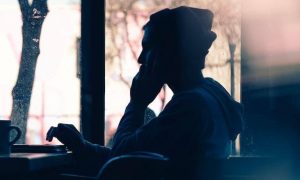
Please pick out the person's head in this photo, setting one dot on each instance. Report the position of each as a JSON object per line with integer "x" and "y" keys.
{"x": 176, "y": 41}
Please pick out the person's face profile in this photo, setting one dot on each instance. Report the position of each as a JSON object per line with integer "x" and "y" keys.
{"x": 153, "y": 57}
{"x": 149, "y": 55}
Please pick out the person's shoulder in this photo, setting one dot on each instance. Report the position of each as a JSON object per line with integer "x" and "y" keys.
{"x": 195, "y": 94}
{"x": 189, "y": 104}
{"x": 191, "y": 98}
{"x": 181, "y": 105}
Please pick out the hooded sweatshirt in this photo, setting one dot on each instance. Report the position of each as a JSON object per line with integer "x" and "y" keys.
{"x": 195, "y": 125}
{"x": 200, "y": 121}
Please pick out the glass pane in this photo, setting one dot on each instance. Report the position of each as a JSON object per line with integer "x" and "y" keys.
{"x": 124, "y": 21}
{"x": 56, "y": 91}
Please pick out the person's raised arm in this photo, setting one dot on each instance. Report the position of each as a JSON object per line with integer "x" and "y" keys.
{"x": 145, "y": 87}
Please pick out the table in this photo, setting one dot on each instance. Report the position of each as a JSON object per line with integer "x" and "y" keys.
{"x": 26, "y": 163}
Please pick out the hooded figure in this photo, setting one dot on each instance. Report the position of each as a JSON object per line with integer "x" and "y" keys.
{"x": 201, "y": 119}
{"x": 197, "y": 125}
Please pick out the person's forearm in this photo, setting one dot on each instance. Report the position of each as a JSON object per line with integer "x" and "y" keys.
{"x": 132, "y": 119}
{"x": 91, "y": 158}
{"x": 96, "y": 150}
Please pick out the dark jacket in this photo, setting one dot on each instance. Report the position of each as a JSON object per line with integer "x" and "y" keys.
{"x": 196, "y": 124}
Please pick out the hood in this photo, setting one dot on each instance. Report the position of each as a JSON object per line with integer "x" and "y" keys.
{"x": 232, "y": 109}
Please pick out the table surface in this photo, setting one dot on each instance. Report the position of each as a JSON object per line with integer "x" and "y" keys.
{"x": 33, "y": 162}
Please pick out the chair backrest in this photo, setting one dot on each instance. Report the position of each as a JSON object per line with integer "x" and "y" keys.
{"x": 134, "y": 166}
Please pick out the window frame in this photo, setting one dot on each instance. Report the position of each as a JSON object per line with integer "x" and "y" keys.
{"x": 93, "y": 70}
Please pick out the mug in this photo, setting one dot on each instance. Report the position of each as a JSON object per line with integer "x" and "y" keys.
{"x": 5, "y": 143}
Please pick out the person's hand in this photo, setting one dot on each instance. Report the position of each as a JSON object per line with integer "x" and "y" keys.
{"x": 68, "y": 135}
{"x": 145, "y": 87}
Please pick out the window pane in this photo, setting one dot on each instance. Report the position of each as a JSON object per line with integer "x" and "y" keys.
{"x": 124, "y": 21}
{"x": 56, "y": 90}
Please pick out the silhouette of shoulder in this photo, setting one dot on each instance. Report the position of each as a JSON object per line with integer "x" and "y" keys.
{"x": 191, "y": 101}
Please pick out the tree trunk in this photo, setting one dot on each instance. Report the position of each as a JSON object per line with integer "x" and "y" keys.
{"x": 33, "y": 17}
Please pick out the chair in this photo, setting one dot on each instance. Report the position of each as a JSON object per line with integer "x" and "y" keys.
{"x": 133, "y": 166}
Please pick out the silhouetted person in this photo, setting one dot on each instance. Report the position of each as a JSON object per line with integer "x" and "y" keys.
{"x": 200, "y": 120}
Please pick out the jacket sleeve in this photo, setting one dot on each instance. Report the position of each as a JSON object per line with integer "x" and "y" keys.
{"x": 125, "y": 138}
{"x": 91, "y": 158}
{"x": 157, "y": 135}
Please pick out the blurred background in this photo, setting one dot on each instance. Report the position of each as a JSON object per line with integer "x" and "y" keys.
{"x": 270, "y": 77}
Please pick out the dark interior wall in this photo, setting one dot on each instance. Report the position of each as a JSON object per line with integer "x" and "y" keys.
{"x": 272, "y": 122}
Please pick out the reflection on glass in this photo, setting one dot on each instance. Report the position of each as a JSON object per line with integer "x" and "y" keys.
{"x": 271, "y": 69}
{"x": 272, "y": 41}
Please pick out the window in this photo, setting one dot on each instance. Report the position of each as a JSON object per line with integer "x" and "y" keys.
{"x": 56, "y": 91}
{"x": 124, "y": 21}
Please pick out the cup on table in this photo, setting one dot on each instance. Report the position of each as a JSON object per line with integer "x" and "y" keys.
{"x": 5, "y": 143}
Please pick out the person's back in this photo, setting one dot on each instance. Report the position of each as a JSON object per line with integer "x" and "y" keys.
{"x": 201, "y": 136}
{"x": 192, "y": 130}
